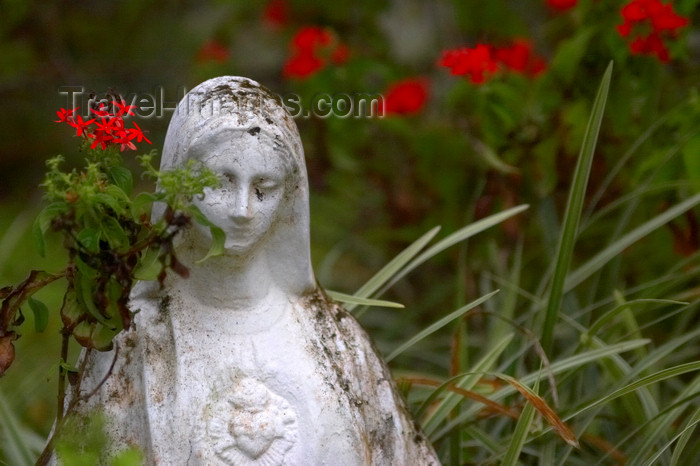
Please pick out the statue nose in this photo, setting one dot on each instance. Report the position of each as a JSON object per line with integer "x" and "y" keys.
{"x": 240, "y": 208}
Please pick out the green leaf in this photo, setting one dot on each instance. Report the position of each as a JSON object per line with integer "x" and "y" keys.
{"x": 41, "y": 314}
{"x": 70, "y": 310}
{"x": 573, "y": 212}
{"x": 83, "y": 288}
{"x": 217, "y": 234}
{"x": 691, "y": 159}
{"x": 122, "y": 177}
{"x": 149, "y": 265}
{"x": 142, "y": 202}
{"x": 113, "y": 233}
{"x": 89, "y": 238}
{"x": 43, "y": 223}
{"x": 102, "y": 336}
{"x": 39, "y": 240}
{"x": 569, "y": 54}
{"x": 130, "y": 457}
{"x": 109, "y": 201}
{"x": 218, "y": 244}
{"x": 493, "y": 160}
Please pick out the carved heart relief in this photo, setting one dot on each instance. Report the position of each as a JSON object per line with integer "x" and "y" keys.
{"x": 247, "y": 424}
{"x": 254, "y": 432}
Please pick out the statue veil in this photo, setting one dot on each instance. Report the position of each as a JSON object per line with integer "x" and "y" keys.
{"x": 223, "y": 106}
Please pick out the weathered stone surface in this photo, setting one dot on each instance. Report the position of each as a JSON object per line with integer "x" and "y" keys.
{"x": 248, "y": 362}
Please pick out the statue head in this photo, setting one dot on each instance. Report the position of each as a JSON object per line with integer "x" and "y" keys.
{"x": 241, "y": 131}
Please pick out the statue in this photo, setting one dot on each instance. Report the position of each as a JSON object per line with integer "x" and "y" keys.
{"x": 247, "y": 362}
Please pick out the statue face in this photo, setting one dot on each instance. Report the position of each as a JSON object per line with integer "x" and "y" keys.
{"x": 252, "y": 187}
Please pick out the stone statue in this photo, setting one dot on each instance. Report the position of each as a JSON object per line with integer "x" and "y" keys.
{"x": 247, "y": 362}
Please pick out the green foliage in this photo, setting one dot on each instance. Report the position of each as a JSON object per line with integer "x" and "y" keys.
{"x": 83, "y": 442}
{"x": 111, "y": 242}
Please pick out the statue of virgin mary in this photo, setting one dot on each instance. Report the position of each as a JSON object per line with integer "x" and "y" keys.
{"x": 247, "y": 361}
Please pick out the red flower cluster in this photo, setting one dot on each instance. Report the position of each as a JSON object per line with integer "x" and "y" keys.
{"x": 109, "y": 129}
{"x": 482, "y": 61}
{"x": 476, "y": 63}
{"x": 313, "y": 48}
{"x": 276, "y": 13}
{"x": 406, "y": 97}
{"x": 650, "y": 22}
{"x": 520, "y": 58}
{"x": 213, "y": 51}
{"x": 562, "y": 5}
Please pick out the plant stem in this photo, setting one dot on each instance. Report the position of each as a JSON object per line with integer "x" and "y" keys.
{"x": 62, "y": 374}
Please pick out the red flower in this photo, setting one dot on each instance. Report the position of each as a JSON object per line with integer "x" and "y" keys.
{"x": 652, "y": 21}
{"x": 101, "y": 111}
{"x": 276, "y": 13}
{"x": 562, "y": 5}
{"x": 80, "y": 125}
{"x": 519, "y": 57}
{"x": 213, "y": 51}
{"x": 407, "y": 97}
{"x": 477, "y": 63}
{"x": 302, "y": 65}
{"x": 101, "y": 139}
{"x": 109, "y": 128}
{"x": 123, "y": 108}
{"x": 65, "y": 115}
{"x": 310, "y": 38}
{"x": 137, "y": 133}
{"x": 312, "y": 49}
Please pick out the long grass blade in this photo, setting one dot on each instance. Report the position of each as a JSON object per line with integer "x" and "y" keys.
{"x": 603, "y": 257}
{"x": 350, "y": 299}
{"x": 388, "y": 271}
{"x": 434, "y": 327}
{"x": 545, "y": 410}
{"x": 659, "y": 376}
{"x": 657, "y": 430}
{"x": 572, "y": 216}
{"x": 522, "y": 428}
{"x": 451, "y": 400}
{"x": 689, "y": 428}
{"x": 458, "y": 236}
{"x": 558, "y": 367}
{"x": 684, "y": 437}
{"x": 623, "y": 161}
{"x": 21, "y": 445}
{"x": 608, "y": 316}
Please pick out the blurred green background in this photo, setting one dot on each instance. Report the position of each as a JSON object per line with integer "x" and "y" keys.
{"x": 466, "y": 151}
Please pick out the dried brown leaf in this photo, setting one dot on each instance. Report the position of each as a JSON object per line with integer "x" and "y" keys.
{"x": 501, "y": 409}
{"x": 548, "y": 413}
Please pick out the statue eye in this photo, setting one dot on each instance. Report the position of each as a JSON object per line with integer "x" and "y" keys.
{"x": 266, "y": 184}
